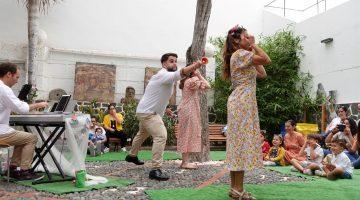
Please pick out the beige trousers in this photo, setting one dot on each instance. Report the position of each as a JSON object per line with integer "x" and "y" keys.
{"x": 24, "y": 146}
{"x": 151, "y": 124}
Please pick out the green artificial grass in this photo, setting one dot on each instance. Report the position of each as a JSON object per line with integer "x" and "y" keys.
{"x": 69, "y": 186}
{"x": 286, "y": 170}
{"x": 147, "y": 155}
{"x": 217, "y": 155}
{"x": 120, "y": 156}
{"x": 315, "y": 189}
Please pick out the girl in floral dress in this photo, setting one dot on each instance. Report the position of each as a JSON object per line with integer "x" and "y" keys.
{"x": 189, "y": 137}
{"x": 243, "y": 61}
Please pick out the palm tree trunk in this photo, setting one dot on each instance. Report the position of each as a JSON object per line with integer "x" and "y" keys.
{"x": 195, "y": 52}
{"x": 33, "y": 26}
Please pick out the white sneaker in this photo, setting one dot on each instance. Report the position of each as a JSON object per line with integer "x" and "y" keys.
{"x": 308, "y": 172}
{"x": 123, "y": 149}
{"x": 319, "y": 173}
{"x": 106, "y": 150}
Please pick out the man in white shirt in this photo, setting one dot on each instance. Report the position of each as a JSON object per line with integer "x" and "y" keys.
{"x": 23, "y": 142}
{"x": 151, "y": 108}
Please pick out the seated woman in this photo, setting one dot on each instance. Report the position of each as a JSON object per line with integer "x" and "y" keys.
{"x": 356, "y": 148}
{"x": 346, "y": 130}
{"x": 113, "y": 126}
{"x": 293, "y": 142}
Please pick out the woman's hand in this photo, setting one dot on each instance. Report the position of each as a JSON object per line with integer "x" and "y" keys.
{"x": 251, "y": 40}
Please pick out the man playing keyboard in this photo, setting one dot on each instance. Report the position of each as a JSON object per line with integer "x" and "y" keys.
{"x": 23, "y": 142}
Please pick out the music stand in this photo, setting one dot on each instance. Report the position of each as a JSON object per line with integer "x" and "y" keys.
{"x": 63, "y": 102}
{"x": 24, "y": 92}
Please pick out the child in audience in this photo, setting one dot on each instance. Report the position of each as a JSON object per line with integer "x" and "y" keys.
{"x": 265, "y": 144}
{"x": 314, "y": 155}
{"x": 96, "y": 142}
{"x": 336, "y": 165}
{"x": 276, "y": 155}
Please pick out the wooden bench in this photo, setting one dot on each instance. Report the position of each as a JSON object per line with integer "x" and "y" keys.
{"x": 215, "y": 132}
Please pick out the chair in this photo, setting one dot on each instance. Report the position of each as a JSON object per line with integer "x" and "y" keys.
{"x": 114, "y": 144}
{"x": 3, "y": 145}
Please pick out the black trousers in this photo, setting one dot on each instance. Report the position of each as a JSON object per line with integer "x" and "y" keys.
{"x": 116, "y": 134}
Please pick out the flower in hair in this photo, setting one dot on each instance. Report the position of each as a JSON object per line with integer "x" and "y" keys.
{"x": 234, "y": 29}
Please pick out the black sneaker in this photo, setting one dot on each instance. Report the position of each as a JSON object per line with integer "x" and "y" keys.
{"x": 134, "y": 159}
{"x": 23, "y": 175}
{"x": 158, "y": 175}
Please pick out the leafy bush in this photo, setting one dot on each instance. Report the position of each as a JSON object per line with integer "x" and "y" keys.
{"x": 93, "y": 110}
{"x": 284, "y": 94}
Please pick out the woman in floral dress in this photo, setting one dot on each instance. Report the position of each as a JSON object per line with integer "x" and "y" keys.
{"x": 189, "y": 137}
{"x": 243, "y": 62}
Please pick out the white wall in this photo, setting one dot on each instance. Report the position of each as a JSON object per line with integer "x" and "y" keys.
{"x": 335, "y": 65}
{"x": 273, "y": 23}
{"x": 127, "y": 27}
{"x": 131, "y": 34}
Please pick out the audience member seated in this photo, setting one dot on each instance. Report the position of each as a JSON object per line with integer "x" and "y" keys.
{"x": 94, "y": 125}
{"x": 342, "y": 115}
{"x": 336, "y": 165}
{"x": 113, "y": 125}
{"x": 265, "y": 144}
{"x": 356, "y": 148}
{"x": 96, "y": 142}
{"x": 314, "y": 155}
{"x": 293, "y": 142}
{"x": 346, "y": 130}
{"x": 23, "y": 142}
{"x": 276, "y": 155}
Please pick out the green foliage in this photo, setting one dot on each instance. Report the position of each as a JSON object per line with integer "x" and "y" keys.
{"x": 93, "y": 110}
{"x": 131, "y": 124}
{"x": 220, "y": 86}
{"x": 284, "y": 94}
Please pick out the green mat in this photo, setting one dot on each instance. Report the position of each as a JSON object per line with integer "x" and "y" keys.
{"x": 147, "y": 155}
{"x": 316, "y": 189}
{"x": 69, "y": 187}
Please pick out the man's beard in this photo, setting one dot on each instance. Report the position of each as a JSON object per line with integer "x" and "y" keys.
{"x": 172, "y": 70}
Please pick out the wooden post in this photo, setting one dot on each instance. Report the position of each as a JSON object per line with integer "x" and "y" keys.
{"x": 323, "y": 117}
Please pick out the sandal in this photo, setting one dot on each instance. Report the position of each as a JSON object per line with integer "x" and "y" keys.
{"x": 244, "y": 195}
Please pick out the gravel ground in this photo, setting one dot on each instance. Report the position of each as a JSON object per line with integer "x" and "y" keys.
{"x": 179, "y": 179}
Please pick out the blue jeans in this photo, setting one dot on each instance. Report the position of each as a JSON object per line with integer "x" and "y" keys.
{"x": 352, "y": 156}
{"x": 346, "y": 175}
{"x": 356, "y": 163}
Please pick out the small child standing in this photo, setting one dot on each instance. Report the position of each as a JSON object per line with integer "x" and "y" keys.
{"x": 314, "y": 155}
{"x": 337, "y": 165}
{"x": 265, "y": 144}
{"x": 276, "y": 155}
{"x": 96, "y": 142}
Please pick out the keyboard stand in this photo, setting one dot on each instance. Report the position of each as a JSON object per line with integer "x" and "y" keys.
{"x": 45, "y": 148}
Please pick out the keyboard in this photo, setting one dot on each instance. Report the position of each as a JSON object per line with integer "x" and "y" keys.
{"x": 43, "y": 113}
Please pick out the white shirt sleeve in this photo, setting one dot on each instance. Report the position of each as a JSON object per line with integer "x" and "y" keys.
{"x": 169, "y": 77}
{"x": 14, "y": 103}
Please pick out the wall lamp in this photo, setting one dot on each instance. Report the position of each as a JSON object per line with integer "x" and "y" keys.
{"x": 327, "y": 40}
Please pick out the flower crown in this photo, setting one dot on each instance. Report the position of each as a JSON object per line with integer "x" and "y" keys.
{"x": 234, "y": 29}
